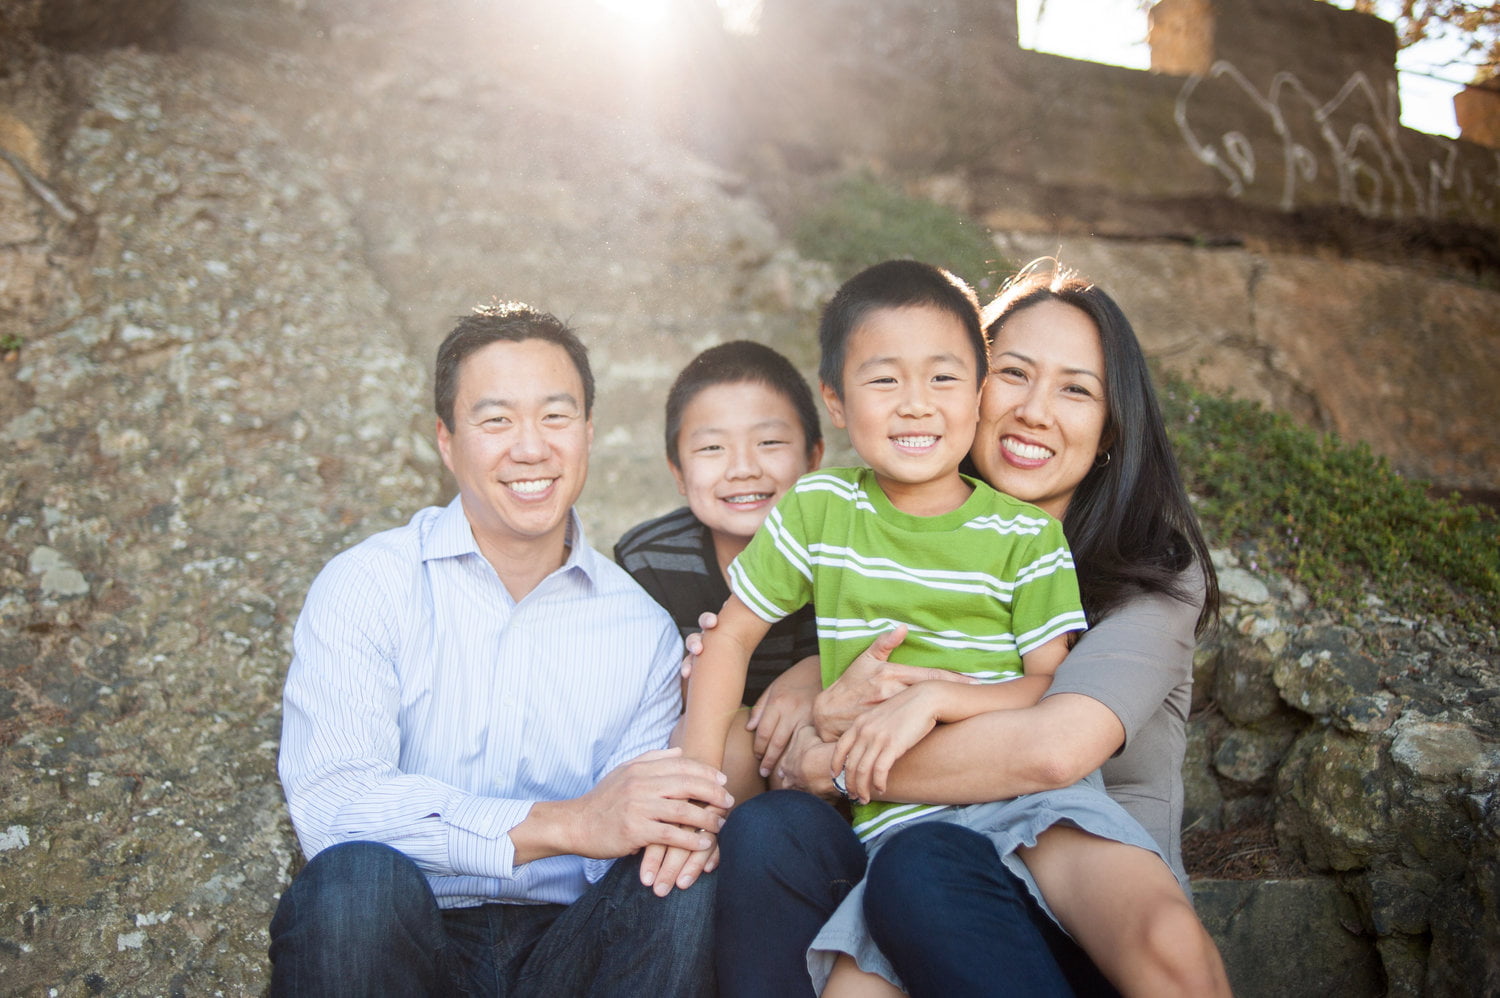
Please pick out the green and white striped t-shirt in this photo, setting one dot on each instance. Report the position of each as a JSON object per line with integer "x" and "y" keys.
{"x": 977, "y": 587}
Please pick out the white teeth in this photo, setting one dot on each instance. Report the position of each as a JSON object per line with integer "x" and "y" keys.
{"x": 752, "y": 497}
{"x": 927, "y": 440}
{"x": 1033, "y": 452}
{"x": 532, "y": 487}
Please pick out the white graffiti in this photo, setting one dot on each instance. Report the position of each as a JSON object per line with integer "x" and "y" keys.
{"x": 1372, "y": 171}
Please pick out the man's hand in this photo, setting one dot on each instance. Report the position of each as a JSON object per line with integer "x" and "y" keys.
{"x": 657, "y": 798}
{"x": 870, "y": 679}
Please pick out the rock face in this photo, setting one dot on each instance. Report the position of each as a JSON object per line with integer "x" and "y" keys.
{"x": 1283, "y": 153}
{"x": 1375, "y": 750}
{"x": 223, "y": 271}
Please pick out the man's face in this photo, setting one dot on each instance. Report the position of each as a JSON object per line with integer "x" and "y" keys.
{"x": 519, "y": 446}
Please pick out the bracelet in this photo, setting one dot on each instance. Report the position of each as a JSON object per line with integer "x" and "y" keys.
{"x": 838, "y": 784}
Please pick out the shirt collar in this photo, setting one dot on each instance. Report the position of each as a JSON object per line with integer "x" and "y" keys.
{"x": 451, "y": 537}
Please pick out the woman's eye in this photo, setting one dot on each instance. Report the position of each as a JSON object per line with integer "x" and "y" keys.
{"x": 1079, "y": 390}
{"x": 1011, "y": 372}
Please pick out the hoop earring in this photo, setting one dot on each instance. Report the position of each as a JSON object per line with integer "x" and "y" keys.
{"x": 1103, "y": 459}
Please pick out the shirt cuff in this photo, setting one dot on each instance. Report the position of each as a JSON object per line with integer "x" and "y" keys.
{"x": 479, "y": 835}
{"x": 595, "y": 869}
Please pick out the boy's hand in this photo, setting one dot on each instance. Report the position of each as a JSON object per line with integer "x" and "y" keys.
{"x": 785, "y": 706}
{"x": 884, "y": 733}
{"x": 871, "y": 679}
{"x": 694, "y": 642}
{"x": 804, "y": 765}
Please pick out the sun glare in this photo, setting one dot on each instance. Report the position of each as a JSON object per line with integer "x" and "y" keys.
{"x": 639, "y": 11}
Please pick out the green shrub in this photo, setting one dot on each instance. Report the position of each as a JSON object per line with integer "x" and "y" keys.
{"x": 1333, "y": 516}
{"x": 860, "y": 221}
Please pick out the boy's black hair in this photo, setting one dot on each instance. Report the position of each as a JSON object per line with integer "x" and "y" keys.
{"x": 503, "y": 322}
{"x": 734, "y": 363}
{"x": 894, "y": 284}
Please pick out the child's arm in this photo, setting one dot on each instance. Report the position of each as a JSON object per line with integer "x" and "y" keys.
{"x": 714, "y": 692}
{"x": 718, "y": 681}
{"x": 882, "y": 734}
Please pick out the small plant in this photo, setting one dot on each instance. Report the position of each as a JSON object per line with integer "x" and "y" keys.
{"x": 11, "y": 342}
{"x": 862, "y": 221}
{"x": 1335, "y": 517}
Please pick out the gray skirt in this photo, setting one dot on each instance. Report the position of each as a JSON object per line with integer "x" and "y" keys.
{"x": 1009, "y": 824}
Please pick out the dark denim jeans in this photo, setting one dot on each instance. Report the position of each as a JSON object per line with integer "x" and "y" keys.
{"x": 954, "y": 921}
{"x": 786, "y": 861}
{"x": 949, "y": 915}
{"x": 360, "y": 919}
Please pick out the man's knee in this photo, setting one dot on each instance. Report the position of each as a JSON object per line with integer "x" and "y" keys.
{"x": 685, "y": 916}
{"x": 355, "y": 891}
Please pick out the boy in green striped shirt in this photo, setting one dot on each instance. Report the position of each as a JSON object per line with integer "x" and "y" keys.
{"x": 983, "y": 582}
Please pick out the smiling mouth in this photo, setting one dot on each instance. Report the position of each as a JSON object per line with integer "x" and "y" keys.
{"x": 530, "y": 487}
{"x": 747, "y": 498}
{"x": 915, "y": 442}
{"x": 1025, "y": 451}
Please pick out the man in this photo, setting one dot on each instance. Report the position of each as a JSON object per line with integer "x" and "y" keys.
{"x": 470, "y": 719}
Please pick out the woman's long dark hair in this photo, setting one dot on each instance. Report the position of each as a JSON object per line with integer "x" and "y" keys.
{"x": 1129, "y": 521}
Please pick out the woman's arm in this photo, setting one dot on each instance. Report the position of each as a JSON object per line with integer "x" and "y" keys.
{"x": 887, "y": 731}
{"x": 1113, "y": 680}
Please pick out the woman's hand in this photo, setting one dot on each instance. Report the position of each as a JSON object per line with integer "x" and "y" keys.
{"x": 871, "y": 679}
{"x": 785, "y": 706}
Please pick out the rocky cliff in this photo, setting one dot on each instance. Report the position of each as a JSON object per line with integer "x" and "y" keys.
{"x": 231, "y": 234}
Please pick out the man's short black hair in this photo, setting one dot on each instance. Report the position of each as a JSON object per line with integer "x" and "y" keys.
{"x": 503, "y": 322}
{"x": 894, "y": 284}
{"x": 735, "y": 363}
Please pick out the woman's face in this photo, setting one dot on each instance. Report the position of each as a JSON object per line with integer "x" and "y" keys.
{"x": 1043, "y": 410}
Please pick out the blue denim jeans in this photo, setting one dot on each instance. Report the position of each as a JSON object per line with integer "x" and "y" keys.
{"x": 953, "y": 920}
{"x": 786, "y": 861}
{"x": 360, "y": 919}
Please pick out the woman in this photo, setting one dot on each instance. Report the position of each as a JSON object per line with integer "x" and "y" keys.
{"x": 1068, "y": 421}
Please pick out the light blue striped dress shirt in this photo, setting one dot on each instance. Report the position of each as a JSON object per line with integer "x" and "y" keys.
{"x": 427, "y": 709}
